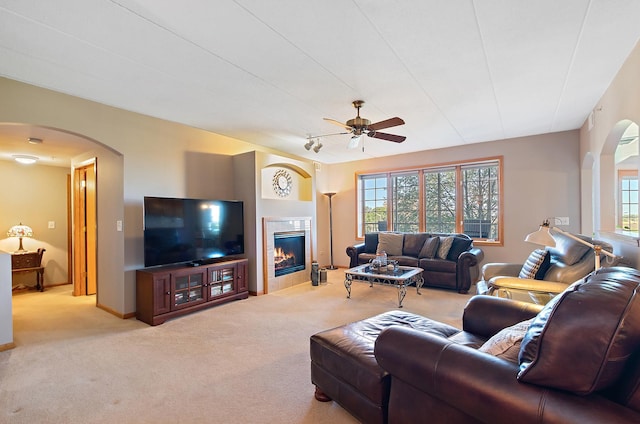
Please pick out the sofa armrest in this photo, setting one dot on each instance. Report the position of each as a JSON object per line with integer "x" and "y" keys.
{"x": 506, "y": 269}
{"x": 486, "y": 315}
{"x": 467, "y": 262}
{"x": 353, "y": 252}
{"x": 480, "y": 385}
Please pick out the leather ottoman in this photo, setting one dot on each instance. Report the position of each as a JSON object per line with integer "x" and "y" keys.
{"x": 344, "y": 368}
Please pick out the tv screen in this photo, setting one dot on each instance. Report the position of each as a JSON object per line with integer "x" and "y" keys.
{"x": 191, "y": 230}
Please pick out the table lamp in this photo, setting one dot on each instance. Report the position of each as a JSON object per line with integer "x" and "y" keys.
{"x": 20, "y": 231}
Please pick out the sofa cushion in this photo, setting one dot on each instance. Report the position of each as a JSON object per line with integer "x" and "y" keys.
{"x": 536, "y": 265}
{"x": 444, "y": 247}
{"x": 564, "y": 336}
{"x": 413, "y": 243}
{"x": 391, "y": 243}
{"x": 430, "y": 248}
{"x": 370, "y": 242}
{"x": 458, "y": 246}
{"x": 567, "y": 250}
{"x": 505, "y": 343}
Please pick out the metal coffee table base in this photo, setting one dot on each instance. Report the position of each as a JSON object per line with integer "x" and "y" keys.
{"x": 404, "y": 276}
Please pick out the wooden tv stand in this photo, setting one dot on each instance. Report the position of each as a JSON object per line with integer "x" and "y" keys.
{"x": 167, "y": 292}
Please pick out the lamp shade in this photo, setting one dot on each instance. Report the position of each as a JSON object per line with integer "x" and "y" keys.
{"x": 20, "y": 231}
{"x": 542, "y": 236}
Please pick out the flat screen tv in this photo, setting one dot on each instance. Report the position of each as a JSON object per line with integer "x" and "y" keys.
{"x": 191, "y": 230}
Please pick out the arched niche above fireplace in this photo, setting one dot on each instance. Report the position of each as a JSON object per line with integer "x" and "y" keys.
{"x": 284, "y": 181}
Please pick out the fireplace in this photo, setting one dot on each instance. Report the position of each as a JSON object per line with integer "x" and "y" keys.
{"x": 273, "y": 228}
{"x": 288, "y": 252}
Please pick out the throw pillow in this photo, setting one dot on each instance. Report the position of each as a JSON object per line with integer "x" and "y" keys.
{"x": 430, "y": 248}
{"x": 458, "y": 246}
{"x": 590, "y": 329}
{"x": 536, "y": 265}
{"x": 413, "y": 243}
{"x": 370, "y": 242}
{"x": 445, "y": 246}
{"x": 390, "y": 243}
{"x": 505, "y": 343}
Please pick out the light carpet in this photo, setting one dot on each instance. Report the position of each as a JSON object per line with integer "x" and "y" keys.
{"x": 242, "y": 362}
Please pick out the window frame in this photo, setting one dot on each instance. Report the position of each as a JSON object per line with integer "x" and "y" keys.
{"x": 458, "y": 167}
{"x": 626, "y": 175}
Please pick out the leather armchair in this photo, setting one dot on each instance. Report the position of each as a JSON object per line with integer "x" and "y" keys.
{"x": 448, "y": 380}
{"x": 570, "y": 261}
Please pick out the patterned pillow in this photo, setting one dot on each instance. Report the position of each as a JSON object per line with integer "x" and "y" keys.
{"x": 429, "y": 248}
{"x": 536, "y": 265}
{"x": 445, "y": 246}
{"x": 505, "y": 343}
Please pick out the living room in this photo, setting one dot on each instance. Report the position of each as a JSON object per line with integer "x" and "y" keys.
{"x": 561, "y": 173}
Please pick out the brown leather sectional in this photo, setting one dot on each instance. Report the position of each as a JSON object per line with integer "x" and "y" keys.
{"x": 578, "y": 362}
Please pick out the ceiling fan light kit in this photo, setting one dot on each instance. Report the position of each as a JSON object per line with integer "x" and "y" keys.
{"x": 359, "y": 126}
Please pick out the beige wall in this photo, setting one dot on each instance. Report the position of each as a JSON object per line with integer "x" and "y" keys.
{"x": 541, "y": 179}
{"x": 36, "y": 195}
{"x": 614, "y": 111}
{"x": 137, "y": 156}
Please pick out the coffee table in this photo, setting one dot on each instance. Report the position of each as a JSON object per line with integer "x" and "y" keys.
{"x": 401, "y": 277}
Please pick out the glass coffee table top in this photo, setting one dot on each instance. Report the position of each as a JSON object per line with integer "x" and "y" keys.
{"x": 401, "y": 277}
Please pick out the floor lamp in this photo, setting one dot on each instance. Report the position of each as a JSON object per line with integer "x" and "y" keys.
{"x": 330, "y": 195}
{"x": 544, "y": 237}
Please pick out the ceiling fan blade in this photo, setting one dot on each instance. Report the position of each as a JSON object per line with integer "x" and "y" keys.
{"x": 388, "y": 137}
{"x": 387, "y": 123}
{"x": 338, "y": 123}
{"x": 353, "y": 142}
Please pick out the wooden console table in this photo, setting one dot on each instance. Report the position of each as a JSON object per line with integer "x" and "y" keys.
{"x": 29, "y": 262}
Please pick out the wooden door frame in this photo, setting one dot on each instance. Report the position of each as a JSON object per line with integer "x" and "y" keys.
{"x": 84, "y": 263}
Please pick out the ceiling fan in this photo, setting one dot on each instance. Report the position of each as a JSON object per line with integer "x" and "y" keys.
{"x": 360, "y": 126}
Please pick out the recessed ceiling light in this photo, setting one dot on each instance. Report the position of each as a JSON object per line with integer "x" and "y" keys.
{"x": 24, "y": 159}
{"x": 34, "y": 140}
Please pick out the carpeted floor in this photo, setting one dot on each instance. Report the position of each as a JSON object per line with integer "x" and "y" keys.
{"x": 243, "y": 362}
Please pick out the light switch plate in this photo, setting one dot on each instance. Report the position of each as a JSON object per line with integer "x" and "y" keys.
{"x": 52, "y": 224}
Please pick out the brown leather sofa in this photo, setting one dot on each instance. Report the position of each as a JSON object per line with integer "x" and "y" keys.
{"x": 458, "y": 269}
{"x": 577, "y": 360}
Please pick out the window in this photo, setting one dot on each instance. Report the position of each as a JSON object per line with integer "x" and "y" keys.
{"x": 405, "y": 191}
{"x": 440, "y": 200}
{"x": 628, "y": 200}
{"x": 372, "y": 208}
{"x": 626, "y": 164}
{"x": 462, "y": 198}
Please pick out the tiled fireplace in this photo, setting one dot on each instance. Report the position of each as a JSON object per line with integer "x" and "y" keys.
{"x": 286, "y": 252}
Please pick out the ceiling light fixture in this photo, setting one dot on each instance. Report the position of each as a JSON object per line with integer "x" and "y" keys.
{"x": 25, "y": 159}
{"x": 309, "y": 144}
{"x": 34, "y": 140}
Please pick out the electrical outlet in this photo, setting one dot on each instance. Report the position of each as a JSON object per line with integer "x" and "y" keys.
{"x": 562, "y": 220}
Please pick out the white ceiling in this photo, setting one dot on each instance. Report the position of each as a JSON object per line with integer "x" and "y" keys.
{"x": 267, "y": 72}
